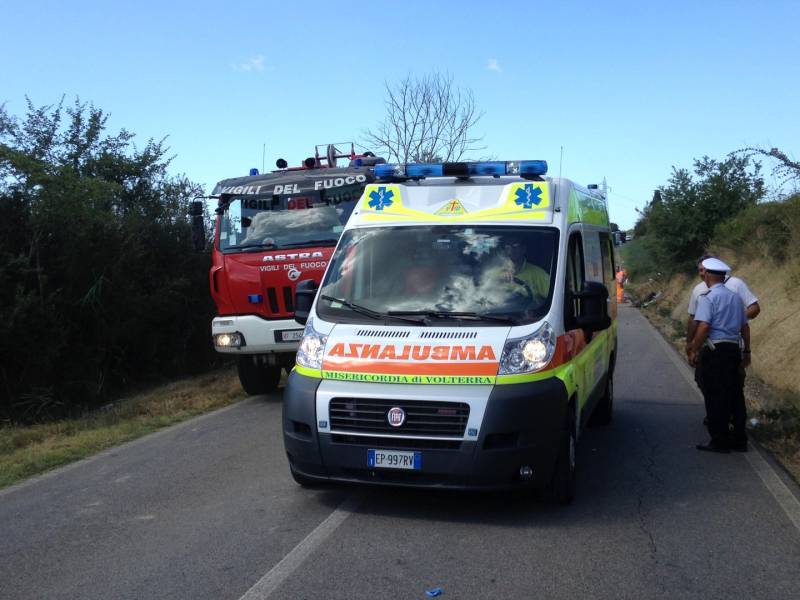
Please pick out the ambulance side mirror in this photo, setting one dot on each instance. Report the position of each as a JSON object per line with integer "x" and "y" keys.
{"x": 593, "y": 307}
{"x": 303, "y": 299}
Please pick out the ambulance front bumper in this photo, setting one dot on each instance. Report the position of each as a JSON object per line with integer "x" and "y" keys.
{"x": 520, "y": 426}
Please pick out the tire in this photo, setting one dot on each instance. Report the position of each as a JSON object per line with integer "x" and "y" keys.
{"x": 562, "y": 487}
{"x": 604, "y": 411}
{"x": 257, "y": 379}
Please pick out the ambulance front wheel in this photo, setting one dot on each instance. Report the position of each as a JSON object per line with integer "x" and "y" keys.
{"x": 562, "y": 488}
{"x": 257, "y": 378}
{"x": 604, "y": 410}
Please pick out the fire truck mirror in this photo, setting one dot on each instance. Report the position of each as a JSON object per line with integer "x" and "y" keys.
{"x": 197, "y": 212}
{"x": 303, "y": 299}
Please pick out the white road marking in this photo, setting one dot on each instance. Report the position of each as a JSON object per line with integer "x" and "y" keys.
{"x": 280, "y": 572}
{"x": 765, "y": 471}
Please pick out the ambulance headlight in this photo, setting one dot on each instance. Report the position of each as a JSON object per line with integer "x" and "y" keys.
{"x": 311, "y": 347}
{"x": 530, "y": 353}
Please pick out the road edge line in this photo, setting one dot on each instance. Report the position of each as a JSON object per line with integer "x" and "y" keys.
{"x": 119, "y": 447}
{"x": 264, "y": 587}
{"x": 766, "y": 472}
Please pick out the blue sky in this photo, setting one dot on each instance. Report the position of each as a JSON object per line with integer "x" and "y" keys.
{"x": 629, "y": 89}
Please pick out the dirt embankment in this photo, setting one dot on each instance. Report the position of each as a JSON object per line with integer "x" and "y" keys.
{"x": 773, "y": 383}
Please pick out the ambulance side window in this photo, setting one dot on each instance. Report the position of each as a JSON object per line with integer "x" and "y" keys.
{"x": 574, "y": 280}
{"x": 608, "y": 257}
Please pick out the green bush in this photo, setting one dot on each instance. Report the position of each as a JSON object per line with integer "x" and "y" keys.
{"x": 770, "y": 230}
{"x": 681, "y": 218}
{"x": 101, "y": 288}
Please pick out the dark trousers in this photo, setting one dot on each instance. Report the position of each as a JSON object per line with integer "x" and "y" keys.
{"x": 722, "y": 387}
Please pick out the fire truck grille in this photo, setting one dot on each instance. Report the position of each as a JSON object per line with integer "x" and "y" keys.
{"x": 272, "y": 297}
{"x": 423, "y": 417}
{"x": 288, "y": 301}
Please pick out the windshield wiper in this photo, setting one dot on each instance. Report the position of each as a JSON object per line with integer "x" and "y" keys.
{"x": 363, "y": 310}
{"x": 322, "y": 242}
{"x": 443, "y": 314}
{"x": 253, "y": 247}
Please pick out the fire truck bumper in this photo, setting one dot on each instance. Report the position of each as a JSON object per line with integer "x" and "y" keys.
{"x": 250, "y": 334}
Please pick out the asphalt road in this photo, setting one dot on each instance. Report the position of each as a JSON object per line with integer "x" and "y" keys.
{"x": 207, "y": 509}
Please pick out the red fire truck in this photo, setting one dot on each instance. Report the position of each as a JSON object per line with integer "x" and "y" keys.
{"x": 272, "y": 230}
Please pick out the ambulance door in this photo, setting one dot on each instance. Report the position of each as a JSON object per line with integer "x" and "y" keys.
{"x": 598, "y": 348}
{"x": 575, "y": 277}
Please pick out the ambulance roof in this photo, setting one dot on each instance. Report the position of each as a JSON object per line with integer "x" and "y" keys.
{"x": 486, "y": 200}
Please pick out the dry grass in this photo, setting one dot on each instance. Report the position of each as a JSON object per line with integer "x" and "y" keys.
{"x": 28, "y": 451}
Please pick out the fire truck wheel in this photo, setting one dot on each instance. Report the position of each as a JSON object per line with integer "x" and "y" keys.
{"x": 256, "y": 378}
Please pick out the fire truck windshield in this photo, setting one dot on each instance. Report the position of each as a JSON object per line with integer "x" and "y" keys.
{"x": 253, "y": 223}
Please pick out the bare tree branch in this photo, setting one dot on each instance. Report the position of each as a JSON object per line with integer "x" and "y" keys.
{"x": 785, "y": 170}
{"x": 427, "y": 119}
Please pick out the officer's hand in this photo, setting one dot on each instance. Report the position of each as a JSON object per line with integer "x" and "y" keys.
{"x": 745, "y": 360}
{"x": 692, "y": 357}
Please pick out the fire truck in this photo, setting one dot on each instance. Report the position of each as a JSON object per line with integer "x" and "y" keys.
{"x": 271, "y": 231}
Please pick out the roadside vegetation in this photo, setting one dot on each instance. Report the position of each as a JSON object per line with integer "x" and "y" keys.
{"x": 102, "y": 289}
{"x": 720, "y": 209}
{"x": 33, "y": 449}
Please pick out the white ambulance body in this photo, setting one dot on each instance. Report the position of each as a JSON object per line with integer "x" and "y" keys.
{"x": 463, "y": 335}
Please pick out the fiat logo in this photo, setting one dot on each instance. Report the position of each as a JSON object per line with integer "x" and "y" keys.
{"x": 396, "y": 416}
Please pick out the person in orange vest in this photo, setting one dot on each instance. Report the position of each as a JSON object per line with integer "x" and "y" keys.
{"x": 621, "y": 277}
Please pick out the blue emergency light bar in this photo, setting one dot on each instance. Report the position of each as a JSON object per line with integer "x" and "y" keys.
{"x": 520, "y": 168}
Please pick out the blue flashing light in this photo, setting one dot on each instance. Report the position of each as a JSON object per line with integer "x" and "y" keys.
{"x": 425, "y": 170}
{"x": 487, "y": 168}
{"x": 519, "y": 168}
{"x": 253, "y": 171}
{"x": 532, "y": 167}
{"x": 255, "y": 298}
{"x": 388, "y": 171}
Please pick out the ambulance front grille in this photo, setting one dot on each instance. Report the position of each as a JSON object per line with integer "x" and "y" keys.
{"x": 448, "y": 335}
{"x": 423, "y": 418}
{"x": 388, "y": 333}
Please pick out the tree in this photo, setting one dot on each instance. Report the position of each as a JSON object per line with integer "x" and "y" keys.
{"x": 428, "y": 119}
{"x": 101, "y": 288}
{"x": 680, "y": 220}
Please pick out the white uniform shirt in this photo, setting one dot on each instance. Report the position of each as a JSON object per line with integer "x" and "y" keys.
{"x": 734, "y": 284}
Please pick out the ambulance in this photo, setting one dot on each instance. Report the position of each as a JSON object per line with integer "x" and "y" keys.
{"x": 463, "y": 336}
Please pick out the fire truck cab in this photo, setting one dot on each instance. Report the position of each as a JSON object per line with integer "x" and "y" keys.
{"x": 271, "y": 231}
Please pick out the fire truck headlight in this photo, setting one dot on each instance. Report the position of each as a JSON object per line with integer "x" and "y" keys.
{"x": 311, "y": 347}
{"x": 228, "y": 340}
{"x": 528, "y": 354}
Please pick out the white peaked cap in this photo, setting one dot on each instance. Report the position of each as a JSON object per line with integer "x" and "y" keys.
{"x": 715, "y": 264}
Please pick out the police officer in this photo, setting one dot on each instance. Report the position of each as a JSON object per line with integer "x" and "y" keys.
{"x": 749, "y": 300}
{"x": 720, "y": 319}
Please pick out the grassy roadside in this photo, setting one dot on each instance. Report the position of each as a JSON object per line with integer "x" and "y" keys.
{"x": 28, "y": 451}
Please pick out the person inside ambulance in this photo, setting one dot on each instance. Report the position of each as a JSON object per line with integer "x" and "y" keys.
{"x": 524, "y": 278}
{"x": 424, "y": 279}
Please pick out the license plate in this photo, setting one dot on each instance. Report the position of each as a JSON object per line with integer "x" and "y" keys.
{"x": 394, "y": 459}
{"x": 291, "y": 335}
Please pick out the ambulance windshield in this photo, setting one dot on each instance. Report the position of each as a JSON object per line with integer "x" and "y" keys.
{"x": 257, "y": 223}
{"x": 483, "y": 273}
